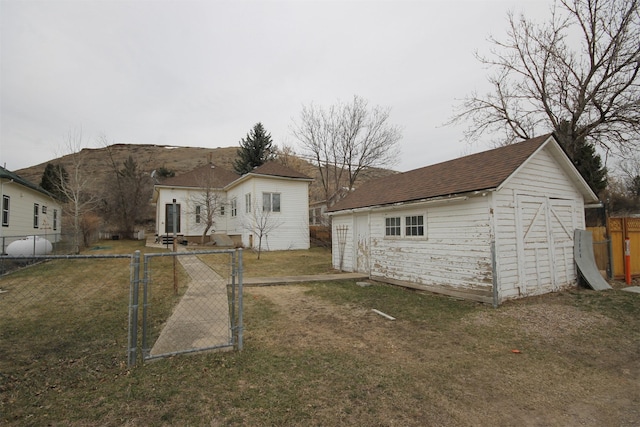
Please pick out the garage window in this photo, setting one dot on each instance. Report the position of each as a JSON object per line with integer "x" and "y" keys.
{"x": 392, "y": 226}
{"x": 414, "y": 225}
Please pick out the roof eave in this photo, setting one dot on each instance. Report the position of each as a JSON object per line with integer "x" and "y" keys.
{"x": 437, "y": 200}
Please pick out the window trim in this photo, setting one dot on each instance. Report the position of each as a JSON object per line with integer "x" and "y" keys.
{"x": 247, "y": 203}
{"x": 6, "y": 207}
{"x": 234, "y": 207}
{"x": 418, "y": 226}
{"x": 392, "y": 227}
{"x": 36, "y": 215}
{"x": 272, "y": 197}
{"x": 405, "y": 225}
{"x": 198, "y": 213}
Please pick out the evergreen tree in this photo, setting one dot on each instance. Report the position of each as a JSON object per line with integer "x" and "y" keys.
{"x": 52, "y": 180}
{"x": 584, "y": 157}
{"x": 255, "y": 150}
{"x": 164, "y": 172}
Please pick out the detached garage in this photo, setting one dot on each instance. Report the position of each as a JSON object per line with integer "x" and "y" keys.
{"x": 490, "y": 226}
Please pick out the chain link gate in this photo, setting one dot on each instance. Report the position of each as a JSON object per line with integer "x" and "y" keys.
{"x": 191, "y": 302}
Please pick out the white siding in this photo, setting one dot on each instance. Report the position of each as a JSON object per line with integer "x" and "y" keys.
{"x": 292, "y": 231}
{"x": 540, "y": 179}
{"x": 455, "y": 251}
{"x": 21, "y": 214}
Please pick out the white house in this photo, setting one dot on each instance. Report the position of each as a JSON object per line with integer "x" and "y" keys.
{"x": 490, "y": 226}
{"x": 27, "y": 210}
{"x": 267, "y": 206}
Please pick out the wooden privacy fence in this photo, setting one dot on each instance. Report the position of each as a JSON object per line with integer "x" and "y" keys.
{"x": 619, "y": 230}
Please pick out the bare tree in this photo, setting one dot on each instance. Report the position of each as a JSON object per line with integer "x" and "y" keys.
{"x": 576, "y": 75}
{"x": 205, "y": 204}
{"x": 127, "y": 192}
{"x": 286, "y": 155}
{"x": 344, "y": 140}
{"x": 74, "y": 184}
{"x": 630, "y": 175}
{"x": 260, "y": 221}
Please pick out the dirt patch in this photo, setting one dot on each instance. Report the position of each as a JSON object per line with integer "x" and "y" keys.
{"x": 313, "y": 322}
{"x": 552, "y": 322}
{"x": 572, "y": 368}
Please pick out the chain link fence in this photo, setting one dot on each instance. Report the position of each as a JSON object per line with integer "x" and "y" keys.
{"x": 58, "y": 312}
{"x": 196, "y": 308}
{"x": 84, "y": 309}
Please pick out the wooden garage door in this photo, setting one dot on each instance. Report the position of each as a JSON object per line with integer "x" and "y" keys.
{"x": 545, "y": 243}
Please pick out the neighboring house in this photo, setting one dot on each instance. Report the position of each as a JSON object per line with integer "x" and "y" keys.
{"x": 27, "y": 210}
{"x": 490, "y": 226}
{"x": 272, "y": 200}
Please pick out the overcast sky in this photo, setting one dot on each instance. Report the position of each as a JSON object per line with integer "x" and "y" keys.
{"x": 202, "y": 73}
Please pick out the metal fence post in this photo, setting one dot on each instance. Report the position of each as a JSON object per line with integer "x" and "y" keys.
{"x": 145, "y": 303}
{"x": 133, "y": 309}
{"x": 610, "y": 269}
{"x": 240, "y": 309}
{"x": 233, "y": 298}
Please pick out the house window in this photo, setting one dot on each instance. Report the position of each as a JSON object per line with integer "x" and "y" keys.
{"x": 44, "y": 209}
{"x": 55, "y": 219}
{"x": 414, "y": 225}
{"x": 234, "y": 207}
{"x": 221, "y": 210}
{"x": 392, "y": 226}
{"x": 5, "y": 211}
{"x": 168, "y": 226}
{"x": 36, "y": 215}
{"x": 198, "y": 214}
{"x": 247, "y": 202}
{"x": 271, "y": 202}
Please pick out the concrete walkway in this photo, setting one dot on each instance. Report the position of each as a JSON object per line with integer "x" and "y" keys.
{"x": 265, "y": 281}
{"x": 201, "y": 319}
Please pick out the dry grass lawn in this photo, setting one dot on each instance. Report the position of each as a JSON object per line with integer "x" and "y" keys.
{"x": 316, "y": 354}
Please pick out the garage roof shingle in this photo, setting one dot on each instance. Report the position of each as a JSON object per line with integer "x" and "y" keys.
{"x": 481, "y": 171}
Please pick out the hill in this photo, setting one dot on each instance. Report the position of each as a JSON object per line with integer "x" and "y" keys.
{"x": 177, "y": 159}
{"x": 148, "y": 157}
